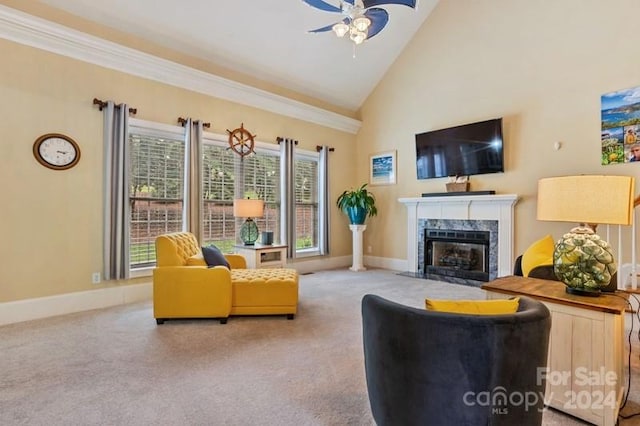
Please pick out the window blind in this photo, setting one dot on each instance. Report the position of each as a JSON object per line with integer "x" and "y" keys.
{"x": 156, "y": 193}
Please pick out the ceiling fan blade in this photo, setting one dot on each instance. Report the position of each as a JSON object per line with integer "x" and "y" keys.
{"x": 319, "y": 4}
{"x": 328, "y": 27}
{"x": 370, "y": 3}
{"x": 379, "y": 18}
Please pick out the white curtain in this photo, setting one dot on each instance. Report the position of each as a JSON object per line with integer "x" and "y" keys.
{"x": 192, "y": 209}
{"x": 324, "y": 201}
{"x": 288, "y": 195}
{"x": 116, "y": 201}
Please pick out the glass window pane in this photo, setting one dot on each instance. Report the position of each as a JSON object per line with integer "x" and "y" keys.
{"x": 156, "y": 198}
{"x": 226, "y": 176}
{"x": 306, "y": 188}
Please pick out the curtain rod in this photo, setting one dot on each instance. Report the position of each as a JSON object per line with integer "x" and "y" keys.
{"x": 279, "y": 139}
{"x": 102, "y": 104}
{"x": 183, "y": 121}
{"x": 319, "y": 147}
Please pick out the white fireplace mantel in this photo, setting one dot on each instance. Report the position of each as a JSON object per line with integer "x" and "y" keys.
{"x": 464, "y": 207}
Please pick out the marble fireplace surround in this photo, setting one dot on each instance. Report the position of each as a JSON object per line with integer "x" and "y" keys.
{"x": 490, "y": 226}
{"x": 498, "y": 208}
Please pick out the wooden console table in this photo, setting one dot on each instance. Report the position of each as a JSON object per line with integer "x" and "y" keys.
{"x": 585, "y": 376}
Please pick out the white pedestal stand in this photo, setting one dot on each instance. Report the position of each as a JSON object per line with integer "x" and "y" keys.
{"x": 357, "y": 231}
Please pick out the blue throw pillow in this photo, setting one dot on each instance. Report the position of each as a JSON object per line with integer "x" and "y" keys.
{"x": 214, "y": 257}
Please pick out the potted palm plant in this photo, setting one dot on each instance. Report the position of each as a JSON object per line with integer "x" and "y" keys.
{"x": 357, "y": 204}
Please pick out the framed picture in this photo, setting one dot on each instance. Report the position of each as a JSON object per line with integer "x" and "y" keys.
{"x": 620, "y": 132}
{"x": 382, "y": 168}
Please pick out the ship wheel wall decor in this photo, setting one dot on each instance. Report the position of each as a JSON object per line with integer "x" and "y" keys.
{"x": 241, "y": 141}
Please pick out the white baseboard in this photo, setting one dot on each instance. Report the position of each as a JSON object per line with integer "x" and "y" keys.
{"x": 44, "y": 307}
{"x": 305, "y": 266}
{"x": 387, "y": 263}
{"x": 318, "y": 264}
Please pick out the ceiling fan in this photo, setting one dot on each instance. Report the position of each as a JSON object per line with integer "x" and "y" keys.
{"x": 361, "y": 19}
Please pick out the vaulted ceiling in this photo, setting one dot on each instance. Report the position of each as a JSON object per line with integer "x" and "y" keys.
{"x": 267, "y": 40}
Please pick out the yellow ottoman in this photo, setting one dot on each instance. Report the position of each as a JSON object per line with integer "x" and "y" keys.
{"x": 264, "y": 292}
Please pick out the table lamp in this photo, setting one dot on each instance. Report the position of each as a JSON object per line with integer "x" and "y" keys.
{"x": 581, "y": 258}
{"x": 248, "y": 208}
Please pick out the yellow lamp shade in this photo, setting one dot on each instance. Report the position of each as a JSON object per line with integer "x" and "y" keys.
{"x": 581, "y": 259}
{"x": 590, "y": 199}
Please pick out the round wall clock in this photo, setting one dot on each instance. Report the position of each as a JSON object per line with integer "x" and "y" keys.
{"x": 56, "y": 151}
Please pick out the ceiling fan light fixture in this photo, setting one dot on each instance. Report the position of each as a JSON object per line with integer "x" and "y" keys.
{"x": 358, "y": 36}
{"x": 362, "y": 23}
{"x": 362, "y": 19}
{"x": 340, "y": 29}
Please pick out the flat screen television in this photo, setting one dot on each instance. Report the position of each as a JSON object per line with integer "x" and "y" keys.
{"x": 468, "y": 149}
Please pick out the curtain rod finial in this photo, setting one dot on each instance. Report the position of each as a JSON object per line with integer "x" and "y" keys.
{"x": 101, "y": 104}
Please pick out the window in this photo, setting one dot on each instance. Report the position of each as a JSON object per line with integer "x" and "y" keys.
{"x": 262, "y": 180}
{"x": 157, "y": 190}
{"x": 306, "y": 198}
{"x": 226, "y": 176}
{"x": 156, "y": 197}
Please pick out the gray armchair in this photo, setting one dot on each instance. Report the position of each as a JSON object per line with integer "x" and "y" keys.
{"x": 434, "y": 368}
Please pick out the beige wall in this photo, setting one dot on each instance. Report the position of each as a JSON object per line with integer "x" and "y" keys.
{"x": 541, "y": 65}
{"x": 51, "y": 223}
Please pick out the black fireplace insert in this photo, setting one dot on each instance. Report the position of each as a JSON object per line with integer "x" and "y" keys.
{"x": 457, "y": 253}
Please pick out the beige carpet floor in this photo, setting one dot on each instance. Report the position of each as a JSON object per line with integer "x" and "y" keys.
{"x": 116, "y": 367}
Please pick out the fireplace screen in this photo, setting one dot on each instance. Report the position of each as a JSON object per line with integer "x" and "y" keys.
{"x": 460, "y": 254}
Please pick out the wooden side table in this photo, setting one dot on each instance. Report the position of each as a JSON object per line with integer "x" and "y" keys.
{"x": 259, "y": 256}
{"x": 585, "y": 376}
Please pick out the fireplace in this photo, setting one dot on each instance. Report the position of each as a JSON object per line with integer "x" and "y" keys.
{"x": 493, "y": 213}
{"x": 455, "y": 253}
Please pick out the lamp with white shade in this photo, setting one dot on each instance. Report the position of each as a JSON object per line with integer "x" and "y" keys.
{"x": 581, "y": 258}
{"x": 249, "y": 209}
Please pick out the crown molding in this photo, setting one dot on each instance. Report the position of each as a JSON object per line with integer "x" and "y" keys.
{"x": 36, "y": 32}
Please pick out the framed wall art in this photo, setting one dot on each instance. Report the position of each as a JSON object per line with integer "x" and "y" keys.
{"x": 382, "y": 168}
{"x": 620, "y": 133}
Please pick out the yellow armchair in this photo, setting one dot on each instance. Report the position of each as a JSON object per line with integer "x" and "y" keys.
{"x": 183, "y": 286}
